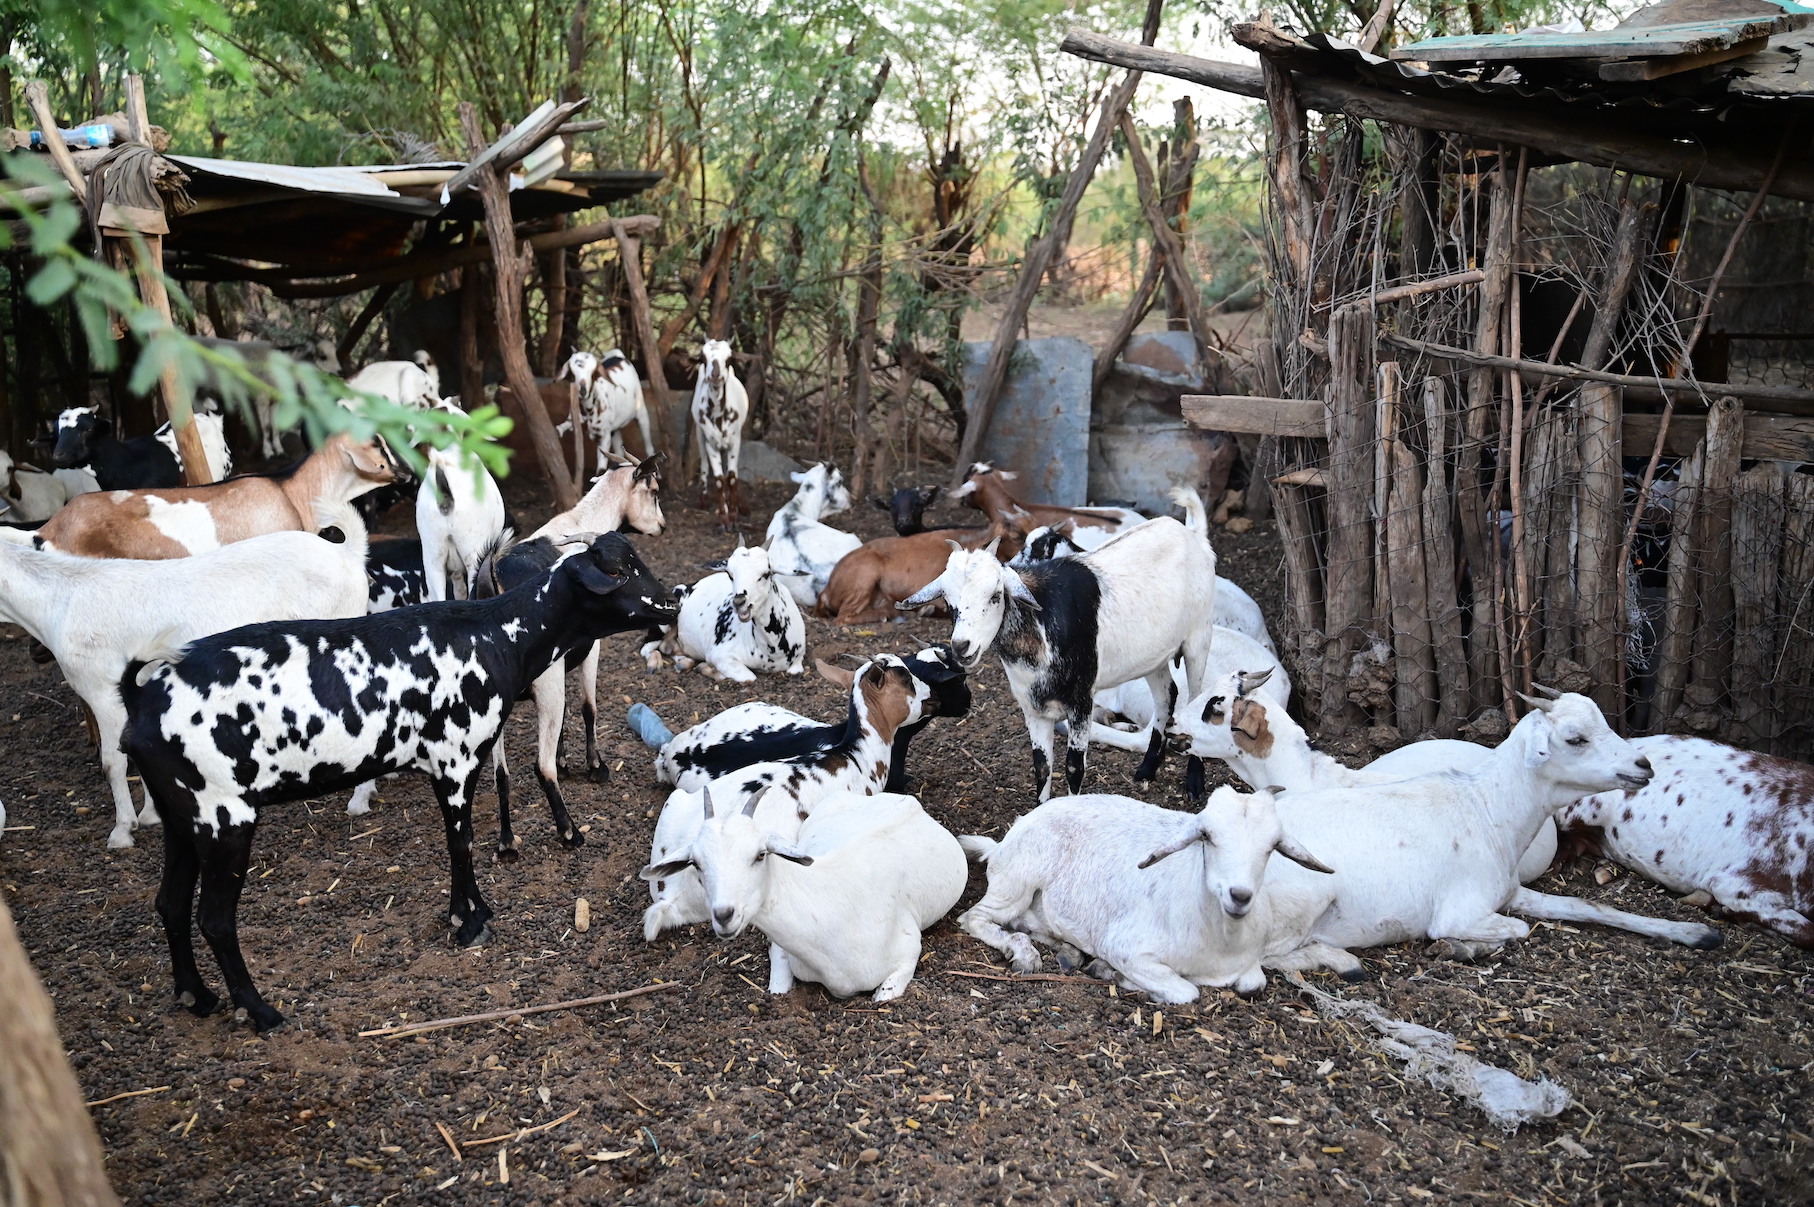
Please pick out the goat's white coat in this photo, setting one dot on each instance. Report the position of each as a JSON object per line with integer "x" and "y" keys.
{"x": 214, "y": 444}
{"x": 1080, "y": 873}
{"x": 29, "y": 495}
{"x": 802, "y": 550}
{"x": 459, "y": 529}
{"x": 764, "y": 631}
{"x": 610, "y": 400}
{"x": 407, "y": 383}
{"x": 720, "y": 407}
{"x": 97, "y": 614}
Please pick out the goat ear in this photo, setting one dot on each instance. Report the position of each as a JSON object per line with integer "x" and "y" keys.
{"x": 1252, "y": 681}
{"x": 929, "y": 495}
{"x": 792, "y": 856}
{"x": 834, "y": 674}
{"x": 1166, "y": 852}
{"x": 565, "y": 370}
{"x": 661, "y": 871}
{"x": 798, "y": 477}
{"x": 879, "y": 503}
{"x": 1537, "y": 753}
{"x": 1289, "y": 848}
{"x": 925, "y": 595}
{"x": 1007, "y": 475}
{"x": 1017, "y": 589}
{"x": 594, "y": 579}
{"x": 968, "y": 488}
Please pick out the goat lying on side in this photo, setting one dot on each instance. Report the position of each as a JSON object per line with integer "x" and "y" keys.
{"x": 1731, "y": 825}
{"x": 802, "y": 550}
{"x": 842, "y": 904}
{"x": 179, "y": 521}
{"x": 756, "y": 732}
{"x": 1242, "y": 720}
{"x": 884, "y": 698}
{"x": 279, "y": 712}
{"x": 986, "y": 489}
{"x": 870, "y": 581}
{"x": 30, "y": 496}
{"x": 1167, "y": 900}
{"x": 1069, "y": 628}
{"x": 735, "y": 624}
{"x": 97, "y": 614}
{"x": 1436, "y": 857}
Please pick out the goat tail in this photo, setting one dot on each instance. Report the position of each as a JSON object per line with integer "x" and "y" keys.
{"x": 650, "y": 728}
{"x": 976, "y": 847}
{"x": 162, "y": 650}
{"x": 1195, "y": 517}
{"x": 485, "y": 572}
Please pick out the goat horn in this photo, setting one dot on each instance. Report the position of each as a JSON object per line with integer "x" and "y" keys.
{"x": 749, "y": 806}
{"x": 1252, "y": 681}
{"x": 706, "y": 792}
{"x": 1289, "y": 848}
{"x": 1534, "y": 702}
{"x": 1551, "y": 692}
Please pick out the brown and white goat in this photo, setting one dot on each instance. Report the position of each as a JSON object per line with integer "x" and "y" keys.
{"x": 156, "y": 524}
{"x": 986, "y": 489}
{"x": 870, "y": 580}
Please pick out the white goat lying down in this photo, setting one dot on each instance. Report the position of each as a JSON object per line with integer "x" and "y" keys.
{"x": 735, "y": 624}
{"x": 1437, "y": 856}
{"x": 1167, "y": 900}
{"x": 844, "y": 903}
{"x": 1241, "y": 720}
{"x": 1134, "y": 701}
{"x": 802, "y": 550}
{"x": 885, "y": 697}
{"x": 1735, "y": 826}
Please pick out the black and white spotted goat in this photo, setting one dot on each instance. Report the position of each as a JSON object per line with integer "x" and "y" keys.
{"x": 278, "y": 712}
{"x": 759, "y": 732}
{"x": 1068, "y": 628}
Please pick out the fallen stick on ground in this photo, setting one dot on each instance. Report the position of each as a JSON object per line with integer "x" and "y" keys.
{"x": 1027, "y": 976}
{"x": 520, "y": 1132}
{"x": 451, "y": 1142}
{"x": 494, "y": 1015}
{"x": 156, "y": 1089}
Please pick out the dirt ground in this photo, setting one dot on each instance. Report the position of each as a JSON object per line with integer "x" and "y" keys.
{"x": 1690, "y": 1070}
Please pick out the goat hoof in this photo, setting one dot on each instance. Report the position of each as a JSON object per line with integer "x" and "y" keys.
{"x": 1707, "y": 941}
{"x": 506, "y": 855}
{"x": 601, "y": 774}
{"x": 478, "y": 940}
{"x": 573, "y": 839}
{"x": 199, "y": 1002}
{"x": 264, "y": 1018}
{"x": 1353, "y": 975}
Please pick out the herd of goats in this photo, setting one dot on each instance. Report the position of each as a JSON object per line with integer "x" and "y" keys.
{"x": 245, "y": 644}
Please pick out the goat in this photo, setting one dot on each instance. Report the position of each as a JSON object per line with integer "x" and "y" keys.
{"x": 624, "y": 494}
{"x": 756, "y": 732}
{"x": 409, "y": 383}
{"x": 49, "y": 1154}
{"x": 1168, "y": 900}
{"x": 844, "y": 903}
{"x": 30, "y": 496}
{"x": 279, "y": 712}
{"x": 906, "y": 510}
{"x": 179, "y": 521}
{"x": 96, "y": 614}
{"x": 1436, "y": 857}
{"x": 868, "y": 582}
{"x": 85, "y": 439}
{"x": 460, "y": 518}
{"x": 1069, "y": 628}
{"x": 1235, "y": 608}
{"x": 802, "y": 550}
{"x": 1732, "y": 827}
{"x": 986, "y": 489}
{"x": 256, "y": 355}
{"x": 610, "y": 399}
{"x": 735, "y": 624}
{"x": 1228, "y": 650}
{"x": 884, "y": 698}
{"x": 720, "y": 407}
{"x": 397, "y": 579}
{"x": 1241, "y": 718}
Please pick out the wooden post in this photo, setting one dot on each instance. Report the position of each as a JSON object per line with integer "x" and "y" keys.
{"x": 1480, "y": 545}
{"x": 1676, "y": 642}
{"x": 148, "y": 262}
{"x": 138, "y": 119}
{"x": 37, "y": 96}
{"x": 1439, "y": 557}
{"x": 1169, "y": 247}
{"x": 629, "y": 254}
{"x": 1793, "y": 684}
{"x": 1414, "y": 657}
{"x": 1757, "y": 552}
{"x": 1712, "y": 658}
{"x": 507, "y": 276}
{"x": 1039, "y": 259}
{"x": 1348, "y": 604}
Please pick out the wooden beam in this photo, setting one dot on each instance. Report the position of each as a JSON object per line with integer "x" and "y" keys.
{"x": 529, "y": 134}
{"x": 37, "y": 96}
{"x": 1716, "y": 165}
{"x": 1169, "y": 246}
{"x": 629, "y": 254}
{"x": 148, "y": 260}
{"x": 507, "y": 276}
{"x": 138, "y": 119}
{"x": 1256, "y": 416}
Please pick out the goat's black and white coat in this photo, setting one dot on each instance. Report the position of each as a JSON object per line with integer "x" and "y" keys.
{"x": 394, "y": 573}
{"x": 278, "y": 712}
{"x": 758, "y": 732}
{"x": 84, "y": 437}
{"x": 1068, "y": 628}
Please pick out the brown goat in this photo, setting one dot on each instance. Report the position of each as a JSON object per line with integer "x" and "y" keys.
{"x": 986, "y": 489}
{"x": 159, "y": 524}
{"x": 49, "y": 1153}
{"x": 869, "y": 580}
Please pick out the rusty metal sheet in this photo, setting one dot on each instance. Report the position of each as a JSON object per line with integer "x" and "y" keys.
{"x": 1041, "y": 428}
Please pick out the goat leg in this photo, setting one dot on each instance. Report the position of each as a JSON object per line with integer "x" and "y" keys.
{"x": 467, "y": 911}
{"x": 175, "y": 903}
{"x": 223, "y": 875}
{"x": 507, "y": 840}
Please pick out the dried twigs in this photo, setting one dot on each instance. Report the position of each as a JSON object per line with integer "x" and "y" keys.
{"x": 494, "y": 1015}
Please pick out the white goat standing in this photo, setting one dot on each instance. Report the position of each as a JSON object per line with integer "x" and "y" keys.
{"x": 1069, "y": 628}
{"x": 1242, "y": 720}
{"x": 735, "y": 624}
{"x": 843, "y": 904}
{"x": 610, "y": 399}
{"x": 1437, "y": 856}
{"x": 802, "y": 550}
{"x": 720, "y": 407}
{"x": 1168, "y": 900}
{"x": 460, "y": 516}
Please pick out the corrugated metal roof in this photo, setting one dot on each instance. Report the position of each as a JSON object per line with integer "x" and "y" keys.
{"x": 345, "y": 182}
{"x": 1628, "y": 40}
